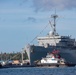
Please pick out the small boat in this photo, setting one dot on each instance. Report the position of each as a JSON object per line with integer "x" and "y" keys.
{"x": 52, "y": 59}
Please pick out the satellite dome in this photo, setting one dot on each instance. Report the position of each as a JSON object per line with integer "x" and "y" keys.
{"x": 51, "y": 33}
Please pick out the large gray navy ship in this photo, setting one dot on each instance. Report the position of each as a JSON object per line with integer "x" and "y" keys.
{"x": 65, "y": 45}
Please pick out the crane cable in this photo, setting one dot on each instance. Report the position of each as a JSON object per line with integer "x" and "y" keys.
{"x": 40, "y": 33}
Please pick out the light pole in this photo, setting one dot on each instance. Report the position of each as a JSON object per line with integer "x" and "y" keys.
{"x": 22, "y": 55}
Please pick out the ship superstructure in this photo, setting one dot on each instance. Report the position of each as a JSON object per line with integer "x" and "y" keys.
{"x": 54, "y": 39}
{"x": 65, "y": 44}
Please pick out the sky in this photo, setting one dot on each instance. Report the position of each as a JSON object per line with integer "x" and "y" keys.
{"x": 22, "y": 20}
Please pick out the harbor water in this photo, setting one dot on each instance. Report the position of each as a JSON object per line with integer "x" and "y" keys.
{"x": 38, "y": 71}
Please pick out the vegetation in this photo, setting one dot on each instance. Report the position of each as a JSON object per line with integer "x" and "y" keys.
{"x": 13, "y": 56}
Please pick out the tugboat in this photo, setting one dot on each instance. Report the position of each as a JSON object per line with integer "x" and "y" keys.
{"x": 52, "y": 59}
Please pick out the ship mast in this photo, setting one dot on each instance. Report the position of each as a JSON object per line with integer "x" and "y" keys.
{"x": 54, "y": 25}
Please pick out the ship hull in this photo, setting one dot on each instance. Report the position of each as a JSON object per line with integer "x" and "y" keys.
{"x": 35, "y": 53}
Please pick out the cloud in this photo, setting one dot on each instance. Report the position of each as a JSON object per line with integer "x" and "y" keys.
{"x": 32, "y": 19}
{"x": 51, "y": 4}
{"x": 23, "y": 1}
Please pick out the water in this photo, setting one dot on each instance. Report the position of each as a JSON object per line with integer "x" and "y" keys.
{"x": 38, "y": 71}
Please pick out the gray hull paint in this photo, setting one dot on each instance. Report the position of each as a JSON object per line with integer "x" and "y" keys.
{"x": 37, "y": 52}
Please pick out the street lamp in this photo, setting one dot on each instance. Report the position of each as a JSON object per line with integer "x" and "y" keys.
{"x": 22, "y": 55}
